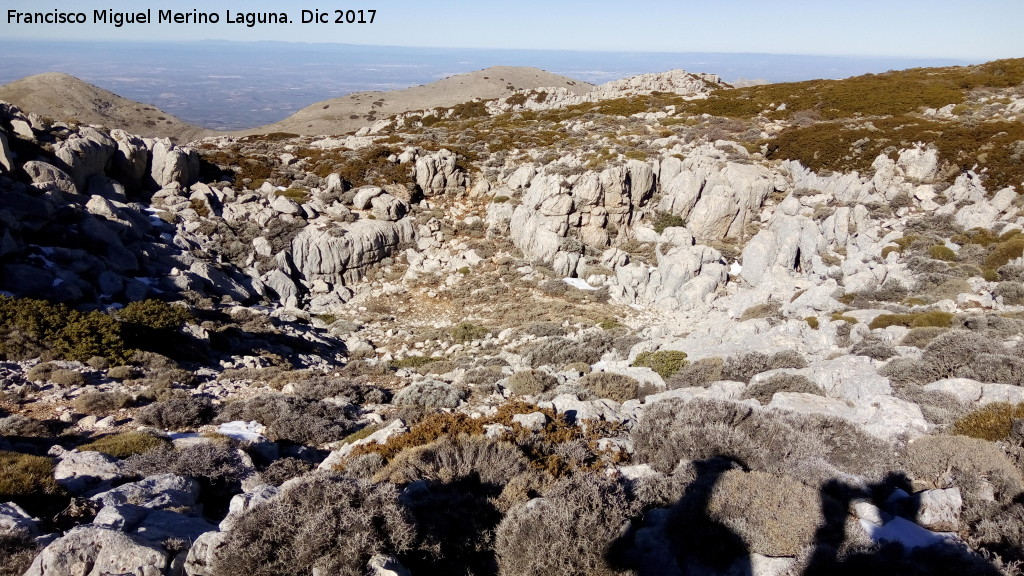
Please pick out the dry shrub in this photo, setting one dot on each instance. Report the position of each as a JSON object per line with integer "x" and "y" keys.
{"x": 324, "y": 523}
{"x": 921, "y": 337}
{"x": 773, "y": 514}
{"x": 448, "y": 459}
{"x": 700, "y": 373}
{"x": 874, "y": 348}
{"x": 570, "y": 531}
{"x": 213, "y": 462}
{"x": 949, "y": 353}
{"x": 617, "y": 387}
{"x": 939, "y": 408}
{"x": 744, "y": 367}
{"x": 178, "y": 412}
{"x": 17, "y": 425}
{"x": 933, "y": 458}
{"x": 18, "y": 553}
{"x": 990, "y": 422}
{"x": 283, "y": 469}
{"x": 64, "y": 377}
{"x": 294, "y": 419}
{"x": 352, "y": 391}
{"x": 763, "y": 310}
{"x": 530, "y": 382}
{"x": 101, "y": 403}
{"x": 430, "y": 394}
{"x": 910, "y": 371}
{"x": 1001, "y": 368}
{"x": 764, "y": 390}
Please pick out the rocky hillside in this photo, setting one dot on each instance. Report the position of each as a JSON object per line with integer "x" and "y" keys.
{"x": 353, "y": 111}
{"x": 663, "y": 326}
{"x": 60, "y": 97}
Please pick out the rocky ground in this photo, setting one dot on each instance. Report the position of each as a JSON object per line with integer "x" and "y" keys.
{"x": 661, "y": 327}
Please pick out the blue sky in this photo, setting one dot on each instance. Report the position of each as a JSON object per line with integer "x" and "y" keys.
{"x": 975, "y": 30}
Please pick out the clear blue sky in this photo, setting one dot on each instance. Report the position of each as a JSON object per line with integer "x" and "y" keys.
{"x": 971, "y": 30}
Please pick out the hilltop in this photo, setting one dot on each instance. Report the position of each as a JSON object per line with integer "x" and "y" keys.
{"x": 655, "y": 327}
{"x": 350, "y": 112}
{"x": 65, "y": 98}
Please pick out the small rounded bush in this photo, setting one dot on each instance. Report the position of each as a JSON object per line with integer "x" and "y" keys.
{"x": 530, "y": 382}
{"x": 618, "y": 387}
{"x": 665, "y": 362}
{"x": 766, "y": 389}
{"x": 942, "y": 252}
{"x": 430, "y": 394}
{"x": 25, "y": 475}
{"x": 292, "y": 418}
{"x": 124, "y": 444}
{"x": 990, "y": 422}
{"x": 100, "y": 403}
{"x": 323, "y": 523}
{"x": 63, "y": 377}
{"x": 178, "y": 412}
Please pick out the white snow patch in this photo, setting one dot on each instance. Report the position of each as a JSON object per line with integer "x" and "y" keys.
{"x": 245, "y": 431}
{"x": 578, "y": 283}
{"x": 907, "y": 533}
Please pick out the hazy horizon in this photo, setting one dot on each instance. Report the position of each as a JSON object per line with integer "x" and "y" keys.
{"x": 226, "y": 85}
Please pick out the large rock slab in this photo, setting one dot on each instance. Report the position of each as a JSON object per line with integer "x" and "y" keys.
{"x": 94, "y": 551}
{"x": 886, "y": 417}
{"x": 341, "y": 255}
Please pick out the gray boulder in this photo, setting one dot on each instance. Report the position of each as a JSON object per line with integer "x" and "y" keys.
{"x": 95, "y": 551}
{"x": 85, "y": 154}
{"x": 173, "y": 164}
{"x": 437, "y": 173}
{"x": 49, "y": 178}
{"x": 156, "y": 492}
{"x": 6, "y": 154}
{"x": 16, "y": 523}
{"x": 78, "y": 472}
{"x": 130, "y": 160}
{"x": 341, "y": 255}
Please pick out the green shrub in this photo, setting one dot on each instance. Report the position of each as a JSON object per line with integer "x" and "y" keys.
{"x": 932, "y": 318}
{"x": 990, "y": 422}
{"x": 414, "y": 361}
{"x": 665, "y": 220}
{"x": 91, "y": 334}
{"x": 325, "y": 523}
{"x": 664, "y": 362}
{"x": 942, "y": 252}
{"x": 812, "y": 321}
{"x": 16, "y": 425}
{"x": 24, "y": 475}
{"x": 618, "y": 387}
{"x": 466, "y": 331}
{"x": 155, "y": 314}
{"x": 122, "y": 372}
{"x": 124, "y": 444}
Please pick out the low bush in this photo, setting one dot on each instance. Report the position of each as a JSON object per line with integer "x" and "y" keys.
{"x": 324, "y": 523}
{"x": 214, "y": 462}
{"x": 763, "y": 310}
{"x": 467, "y": 331}
{"x": 530, "y": 382}
{"x": 18, "y": 553}
{"x": 181, "y": 411}
{"x": 1011, "y": 292}
{"x": 571, "y": 531}
{"x": 124, "y": 444}
{"x": 934, "y": 318}
{"x": 764, "y": 390}
{"x": 1001, "y": 368}
{"x": 64, "y": 377}
{"x": 700, "y": 373}
{"x": 617, "y": 387}
{"x": 430, "y": 394}
{"x": 16, "y": 425}
{"x": 744, "y": 367}
{"x": 292, "y": 418}
{"x": 665, "y": 362}
{"x": 952, "y": 351}
{"x": 874, "y": 348}
{"x": 24, "y": 475}
{"x": 931, "y": 458}
{"x": 352, "y": 391}
{"x": 283, "y": 469}
{"x": 941, "y": 252}
{"x": 910, "y": 371}
{"x": 451, "y": 458}
{"x": 990, "y": 422}
{"x": 101, "y": 403}
{"x": 921, "y": 337}
{"x": 771, "y": 514}
{"x": 123, "y": 372}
